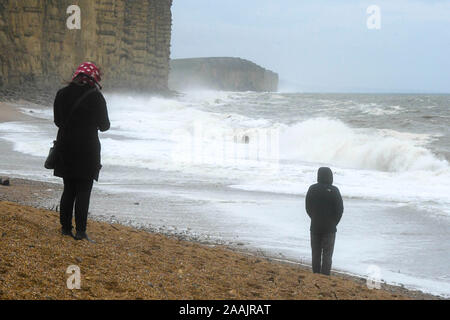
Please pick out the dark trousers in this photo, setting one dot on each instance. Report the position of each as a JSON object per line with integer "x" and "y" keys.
{"x": 322, "y": 246}
{"x": 76, "y": 192}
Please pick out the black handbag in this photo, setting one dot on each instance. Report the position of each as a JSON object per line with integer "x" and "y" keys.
{"x": 50, "y": 162}
{"x": 53, "y": 154}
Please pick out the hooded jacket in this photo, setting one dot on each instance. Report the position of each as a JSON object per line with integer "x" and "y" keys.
{"x": 324, "y": 203}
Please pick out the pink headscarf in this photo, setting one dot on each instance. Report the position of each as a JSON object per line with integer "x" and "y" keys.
{"x": 88, "y": 73}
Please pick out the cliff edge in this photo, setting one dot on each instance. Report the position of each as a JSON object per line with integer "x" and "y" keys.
{"x": 228, "y": 74}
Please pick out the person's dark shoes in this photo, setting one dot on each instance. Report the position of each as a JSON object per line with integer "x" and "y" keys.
{"x": 66, "y": 232}
{"x": 80, "y": 235}
{"x": 83, "y": 235}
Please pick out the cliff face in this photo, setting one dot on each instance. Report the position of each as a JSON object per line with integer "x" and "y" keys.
{"x": 230, "y": 74}
{"x": 129, "y": 40}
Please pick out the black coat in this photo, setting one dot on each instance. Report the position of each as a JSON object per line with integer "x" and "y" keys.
{"x": 78, "y": 143}
{"x": 324, "y": 203}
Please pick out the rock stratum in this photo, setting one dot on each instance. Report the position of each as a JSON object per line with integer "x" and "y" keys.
{"x": 228, "y": 74}
{"x": 129, "y": 40}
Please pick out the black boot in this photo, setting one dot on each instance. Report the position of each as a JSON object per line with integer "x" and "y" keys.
{"x": 66, "y": 232}
{"x": 83, "y": 235}
{"x": 80, "y": 235}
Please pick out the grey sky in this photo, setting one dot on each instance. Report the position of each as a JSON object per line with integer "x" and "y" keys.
{"x": 324, "y": 45}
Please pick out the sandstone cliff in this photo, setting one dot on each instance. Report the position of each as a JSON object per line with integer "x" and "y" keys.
{"x": 230, "y": 74}
{"x": 129, "y": 40}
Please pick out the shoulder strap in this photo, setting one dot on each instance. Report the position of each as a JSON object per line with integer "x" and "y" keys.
{"x": 76, "y": 105}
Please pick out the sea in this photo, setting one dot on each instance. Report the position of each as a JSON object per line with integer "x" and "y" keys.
{"x": 234, "y": 168}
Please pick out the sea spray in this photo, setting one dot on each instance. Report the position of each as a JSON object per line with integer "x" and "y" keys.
{"x": 163, "y": 134}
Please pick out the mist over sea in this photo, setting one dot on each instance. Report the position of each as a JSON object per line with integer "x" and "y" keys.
{"x": 236, "y": 167}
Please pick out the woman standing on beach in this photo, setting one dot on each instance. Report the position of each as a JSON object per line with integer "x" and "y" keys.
{"x": 79, "y": 112}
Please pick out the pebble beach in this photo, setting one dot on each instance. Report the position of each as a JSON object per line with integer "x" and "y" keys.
{"x": 128, "y": 263}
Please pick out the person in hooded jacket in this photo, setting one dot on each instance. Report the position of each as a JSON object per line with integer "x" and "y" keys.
{"x": 79, "y": 112}
{"x": 324, "y": 206}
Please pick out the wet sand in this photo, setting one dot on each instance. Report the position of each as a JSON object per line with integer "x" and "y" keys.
{"x": 8, "y": 112}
